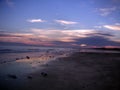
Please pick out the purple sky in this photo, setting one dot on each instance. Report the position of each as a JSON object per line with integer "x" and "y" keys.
{"x": 60, "y": 22}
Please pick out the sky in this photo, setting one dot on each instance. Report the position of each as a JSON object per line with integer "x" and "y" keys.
{"x": 60, "y": 22}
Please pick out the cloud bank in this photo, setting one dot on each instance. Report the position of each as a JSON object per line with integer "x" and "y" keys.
{"x": 50, "y": 37}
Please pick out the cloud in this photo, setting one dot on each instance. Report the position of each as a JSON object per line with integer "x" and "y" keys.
{"x": 62, "y": 35}
{"x": 6, "y": 34}
{"x": 35, "y": 20}
{"x": 55, "y": 37}
{"x": 98, "y": 27}
{"x": 106, "y": 11}
{"x": 45, "y": 36}
{"x": 97, "y": 41}
{"x": 10, "y": 3}
{"x": 115, "y": 30}
{"x": 64, "y": 22}
{"x": 112, "y": 27}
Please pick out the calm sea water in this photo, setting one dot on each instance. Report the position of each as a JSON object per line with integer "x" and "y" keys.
{"x": 11, "y": 53}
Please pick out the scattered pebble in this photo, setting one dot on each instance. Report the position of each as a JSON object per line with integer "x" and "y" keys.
{"x": 4, "y": 62}
{"x": 17, "y": 58}
{"x": 83, "y": 86}
{"x": 44, "y": 74}
{"x": 29, "y": 77}
{"x": 27, "y": 57}
{"x": 12, "y": 76}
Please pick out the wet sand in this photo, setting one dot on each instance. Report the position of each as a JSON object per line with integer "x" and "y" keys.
{"x": 80, "y": 71}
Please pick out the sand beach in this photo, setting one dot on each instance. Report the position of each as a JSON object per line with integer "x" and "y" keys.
{"x": 80, "y": 71}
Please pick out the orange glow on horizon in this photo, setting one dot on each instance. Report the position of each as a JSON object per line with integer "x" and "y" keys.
{"x": 111, "y": 46}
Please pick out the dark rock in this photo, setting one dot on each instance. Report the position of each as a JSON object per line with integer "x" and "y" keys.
{"x": 17, "y": 58}
{"x": 44, "y": 74}
{"x": 4, "y": 62}
{"x": 27, "y": 57}
{"x": 12, "y": 76}
{"x": 29, "y": 77}
{"x": 83, "y": 86}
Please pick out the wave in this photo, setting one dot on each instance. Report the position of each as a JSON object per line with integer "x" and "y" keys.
{"x": 19, "y": 51}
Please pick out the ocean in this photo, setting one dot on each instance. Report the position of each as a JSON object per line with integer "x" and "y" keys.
{"x": 12, "y": 53}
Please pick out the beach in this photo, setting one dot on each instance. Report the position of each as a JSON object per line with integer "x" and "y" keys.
{"x": 59, "y": 44}
{"x": 80, "y": 71}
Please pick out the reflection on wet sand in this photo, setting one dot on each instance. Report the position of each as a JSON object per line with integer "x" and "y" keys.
{"x": 28, "y": 64}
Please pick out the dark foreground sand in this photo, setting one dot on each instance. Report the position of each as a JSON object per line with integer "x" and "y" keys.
{"x": 81, "y": 71}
